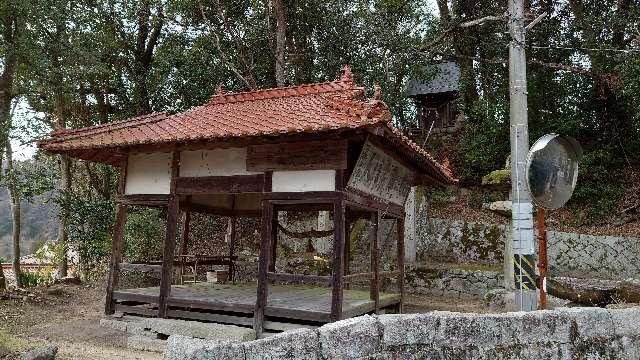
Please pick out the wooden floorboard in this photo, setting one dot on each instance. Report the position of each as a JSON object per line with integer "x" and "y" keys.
{"x": 297, "y": 302}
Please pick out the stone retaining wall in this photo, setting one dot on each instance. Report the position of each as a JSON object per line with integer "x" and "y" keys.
{"x": 451, "y": 282}
{"x": 445, "y": 240}
{"x": 570, "y": 333}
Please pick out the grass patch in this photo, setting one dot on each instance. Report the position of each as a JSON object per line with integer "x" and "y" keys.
{"x": 13, "y": 344}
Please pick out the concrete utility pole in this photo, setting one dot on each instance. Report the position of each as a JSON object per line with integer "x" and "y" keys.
{"x": 521, "y": 208}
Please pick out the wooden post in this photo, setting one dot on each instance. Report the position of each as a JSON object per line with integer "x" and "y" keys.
{"x": 338, "y": 254}
{"x": 184, "y": 243}
{"x": 347, "y": 249}
{"x": 274, "y": 241}
{"x": 265, "y": 249}
{"x": 542, "y": 256}
{"x": 185, "y": 233}
{"x": 170, "y": 239}
{"x": 374, "y": 243}
{"x": 400, "y": 228}
{"x": 117, "y": 244}
{"x": 232, "y": 247}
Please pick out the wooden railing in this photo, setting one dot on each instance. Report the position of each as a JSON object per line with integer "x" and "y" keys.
{"x": 300, "y": 278}
{"x": 370, "y": 275}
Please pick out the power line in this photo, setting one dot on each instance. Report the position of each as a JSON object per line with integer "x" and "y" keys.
{"x": 584, "y": 49}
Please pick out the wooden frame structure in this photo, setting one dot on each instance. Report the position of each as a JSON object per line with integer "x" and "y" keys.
{"x": 363, "y": 170}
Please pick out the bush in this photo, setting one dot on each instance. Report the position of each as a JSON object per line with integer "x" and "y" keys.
{"x": 30, "y": 279}
{"x": 144, "y": 235}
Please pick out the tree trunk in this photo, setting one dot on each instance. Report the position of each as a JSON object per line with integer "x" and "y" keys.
{"x": 594, "y": 292}
{"x": 15, "y": 213}
{"x": 280, "y": 42}
{"x": 63, "y": 233}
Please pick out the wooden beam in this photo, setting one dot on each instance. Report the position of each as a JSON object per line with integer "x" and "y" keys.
{"x": 374, "y": 241}
{"x": 170, "y": 239}
{"x": 140, "y": 267}
{"x": 361, "y": 200}
{"x": 300, "y": 278}
{"x": 144, "y": 199}
{"x": 400, "y": 228}
{"x": 307, "y": 155}
{"x": 338, "y": 264}
{"x": 220, "y": 184}
{"x": 265, "y": 249}
{"x": 303, "y": 197}
{"x": 212, "y": 210}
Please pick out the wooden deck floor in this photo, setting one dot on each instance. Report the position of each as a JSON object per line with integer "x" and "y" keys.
{"x": 235, "y": 303}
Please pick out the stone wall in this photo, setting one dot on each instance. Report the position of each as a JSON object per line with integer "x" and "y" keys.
{"x": 451, "y": 282}
{"x": 570, "y": 333}
{"x": 444, "y": 240}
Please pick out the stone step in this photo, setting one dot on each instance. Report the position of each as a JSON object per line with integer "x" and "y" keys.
{"x": 211, "y": 331}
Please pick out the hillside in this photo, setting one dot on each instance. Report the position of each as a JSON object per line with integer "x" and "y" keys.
{"x": 39, "y": 223}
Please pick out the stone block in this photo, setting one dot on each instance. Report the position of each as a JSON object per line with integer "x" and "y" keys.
{"x": 590, "y": 322}
{"x": 302, "y": 344}
{"x": 354, "y": 338}
{"x": 625, "y": 321}
{"x": 472, "y": 329}
{"x": 186, "y": 348}
{"x": 146, "y": 343}
{"x": 211, "y": 331}
{"x": 408, "y": 329}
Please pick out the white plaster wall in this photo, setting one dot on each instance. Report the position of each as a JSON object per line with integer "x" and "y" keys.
{"x": 298, "y": 181}
{"x": 217, "y": 162}
{"x": 148, "y": 174}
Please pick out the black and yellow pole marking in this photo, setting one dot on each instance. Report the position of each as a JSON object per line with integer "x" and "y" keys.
{"x": 524, "y": 274}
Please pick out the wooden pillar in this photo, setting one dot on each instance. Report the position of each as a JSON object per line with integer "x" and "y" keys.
{"x": 173, "y": 208}
{"x": 347, "y": 248}
{"x": 232, "y": 247}
{"x": 400, "y": 246}
{"x": 184, "y": 245}
{"x": 274, "y": 241}
{"x": 374, "y": 241}
{"x": 117, "y": 244}
{"x": 338, "y": 257}
{"x": 265, "y": 250}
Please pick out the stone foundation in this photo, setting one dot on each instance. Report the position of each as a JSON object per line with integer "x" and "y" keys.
{"x": 576, "y": 333}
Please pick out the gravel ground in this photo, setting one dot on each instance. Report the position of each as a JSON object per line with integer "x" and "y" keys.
{"x": 67, "y": 316}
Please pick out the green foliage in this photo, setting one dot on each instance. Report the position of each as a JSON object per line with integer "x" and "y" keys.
{"x": 598, "y": 189}
{"x": 497, "y": 177}
{"x": 30, "y": 279}
{"x": 90, "y": 227}
{"x": 144, "y": 235}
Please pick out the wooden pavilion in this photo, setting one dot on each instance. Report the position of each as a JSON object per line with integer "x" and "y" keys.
{"x": 313, "y": 147}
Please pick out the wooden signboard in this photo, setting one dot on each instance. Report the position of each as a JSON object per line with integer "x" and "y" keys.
{"x": 381, "y": 176}
{"x": 309, "y": 155}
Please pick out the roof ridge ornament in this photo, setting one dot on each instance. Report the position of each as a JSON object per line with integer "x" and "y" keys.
{"x": 347, "y": 74}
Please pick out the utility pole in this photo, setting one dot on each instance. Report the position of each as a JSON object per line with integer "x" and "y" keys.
{"x": 521, "y": 208}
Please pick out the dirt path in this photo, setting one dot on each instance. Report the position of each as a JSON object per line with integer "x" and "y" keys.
{"x": 67, "y": 316}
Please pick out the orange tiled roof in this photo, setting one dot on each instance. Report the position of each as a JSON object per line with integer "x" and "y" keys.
{"x": 313, "y": 108}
